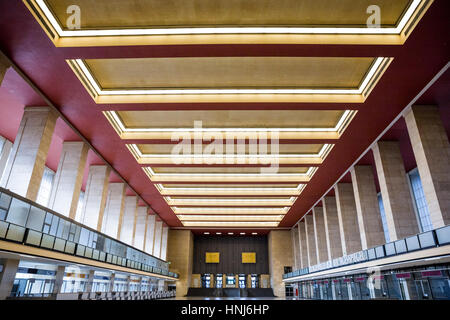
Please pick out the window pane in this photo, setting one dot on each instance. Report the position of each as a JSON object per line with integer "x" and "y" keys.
{"x": 46, "y": 187}
{"x": 383, "y": 218}
{"x": 420, "y": 201}
{"x": 4, "y": 201}
{"x": 36, "y": 219}
{"x": 18, "y": 212}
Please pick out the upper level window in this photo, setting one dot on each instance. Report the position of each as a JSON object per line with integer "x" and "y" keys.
{"x": 383, "y": 218}
{"x": 420, "y": 203}
{"x": 46, "y": 187}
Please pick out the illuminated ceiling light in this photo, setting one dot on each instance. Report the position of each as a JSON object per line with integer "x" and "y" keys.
{"x": 239, "y": 217}
{"x": 222, "y": 177}
{"x": 229, "y": 224}
{"x": 117, "y": 32}
{"x": 205, "y": 232}
{"x": 254, "y": 233}
{"x": 230, "y": 201}
{"x": 242, "y": 233}
{"x": 229, "y": 191}
{"x": 121, "y": 127}
{"x": 82, "y": 68}
{"x": 218, "y": 233}
{"x": 213, "y": 210}
{"x": 230, "y": 233}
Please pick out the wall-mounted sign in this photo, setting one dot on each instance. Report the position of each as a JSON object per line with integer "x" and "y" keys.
{"x": 248, "y": 257}
{"x": 212, "y": 257}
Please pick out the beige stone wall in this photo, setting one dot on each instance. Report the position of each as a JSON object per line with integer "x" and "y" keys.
{"x": 280, "y": 255}
{"x": 180, "y": 254}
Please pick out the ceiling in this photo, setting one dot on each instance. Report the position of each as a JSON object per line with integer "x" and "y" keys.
{"x": 155, "y": 91}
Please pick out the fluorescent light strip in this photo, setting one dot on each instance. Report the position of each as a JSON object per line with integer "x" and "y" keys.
{"x": 236, "y": 218}
{"x": 244, "y": 200}
{"x": 151, "y": 173}
{"x": 345, "y": 115}
{"x": 199, "y": 210}
{"x": 81, "y": 64}
{"x": 227, "y": 30}
{"x": 160, "y": 187}
{"x": 229, "y": 223}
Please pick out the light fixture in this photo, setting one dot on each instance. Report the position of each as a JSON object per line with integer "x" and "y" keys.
{"x": 229, "y": 30}
{"x": 205, "y": 232}
{"x": 230, "y": 233}
{"x": 229, "y": 224}
{"x": 218, "y": 233}
{"x": 254, "y": 233}
{"x": 287, "y": 201}
{"x": 237, "y": 217}
{"x": 242, "y": 233}
{"x": 253, "y": 191}
{"x": 232, "y": 211}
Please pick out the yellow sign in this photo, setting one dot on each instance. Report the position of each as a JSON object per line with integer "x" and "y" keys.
{"x": 212, "y": 257}
{"x": 248, "y": 257}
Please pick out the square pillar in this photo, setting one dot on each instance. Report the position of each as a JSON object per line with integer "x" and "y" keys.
{"x": 165, "y": 233}
{"x": 180, "y": 250}
{"x": 400, "y": 216}
{"x": 129, "y": 218}
{"x": 432, "y": 152}
{"x": 348, "y": 221}
{"x": 158, "y": 237}
{"x": 332, "y": 230}
{"x": 321, "y": 236}
{"x": 367, "y": 208}
{"x": 115, "y": 203}
{"x": 141, "y": 227}
{"x": 4, "y": 155}
{"x": 59, "y": 279}
{"x": 295, "y": 249}
{"x": 4, "y": 66}
{"x": 7, "y": 277}
{"x": 279, "y": 248}
{"x": 68, "y": 179}
{"x": 25, "y": 166}
{"x": 95, "y": 196}
{"x": 150, "y": 236}
{"x": 302, "y": 241}
{"x": 310, "y": 240}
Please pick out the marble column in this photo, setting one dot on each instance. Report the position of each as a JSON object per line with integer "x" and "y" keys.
{"x": 114, "y": 207}
{"x": 129, "y": 218}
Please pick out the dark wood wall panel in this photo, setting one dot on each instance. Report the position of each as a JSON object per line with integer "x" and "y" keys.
{"x": 230, "y": 249}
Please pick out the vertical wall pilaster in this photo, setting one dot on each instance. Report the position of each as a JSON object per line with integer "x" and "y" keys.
{"x": 25, "y": 165}
{"x": 432, "y": 152}
{"x": 331, "y": 219}
{"x": 367, "y": 208}
{"x": 400, "y": 216}
{"x": 95, "y": 196}
{"x": 68, "y": 179}
{"x": 348, "y": 221}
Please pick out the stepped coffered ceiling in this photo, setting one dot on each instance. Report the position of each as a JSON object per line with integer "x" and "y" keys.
{"x": 176, "y": 93}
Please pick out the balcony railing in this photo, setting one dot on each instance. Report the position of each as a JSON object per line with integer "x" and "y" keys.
{"x": 26, "y": 222}
{"x": 430, "y": 239}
